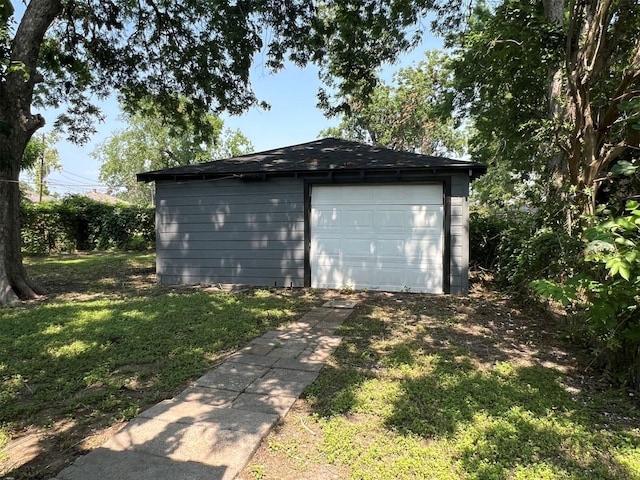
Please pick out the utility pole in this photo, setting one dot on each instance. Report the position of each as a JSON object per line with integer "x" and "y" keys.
{"x": 44, "y": 147}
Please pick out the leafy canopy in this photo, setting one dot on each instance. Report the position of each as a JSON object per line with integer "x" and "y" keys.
{"x": 161, "y": 52}
{"x": 149, "y": 143}
{"x": 407, "y": 115}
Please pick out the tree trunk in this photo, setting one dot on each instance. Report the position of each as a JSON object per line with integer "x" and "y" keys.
{"x": 17, "y": 126}
{"x": 557, "y": 92}
{"x": 14, "y": 282}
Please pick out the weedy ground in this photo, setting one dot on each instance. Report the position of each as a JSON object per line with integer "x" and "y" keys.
{"x": 106, "y": 344}
{"x": 437, "y": 387}
{"x": 422, "y": 386}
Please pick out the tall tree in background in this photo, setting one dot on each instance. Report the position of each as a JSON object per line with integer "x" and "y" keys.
{"x": 552, "y": 87}
{"x": 149, "y": 144}
{"x": 68, "y": 52}
{"x": 407, "y": 115}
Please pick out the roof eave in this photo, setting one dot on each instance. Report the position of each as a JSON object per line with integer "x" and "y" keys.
{"x": 475, "y": 170}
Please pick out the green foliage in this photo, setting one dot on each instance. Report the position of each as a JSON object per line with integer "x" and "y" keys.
{"x": 529, "y": 252}
{"x": 407, "y": 115}
{"x": 521, "y": 245}
{"x": 84, "y": 224}
{"x": 485, "y": 234}
{"x": 606, "y": 290}
{"x": 501, "y": 65}
{"x": 149, "y": 143}
{"x": 95, "y": 46}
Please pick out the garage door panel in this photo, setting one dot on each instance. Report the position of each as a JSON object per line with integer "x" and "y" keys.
{"x": 327, "y": 245}
{"x": 421, "y": 217}
{"x": 390, "y": 220}
{"x": 377, "y": 237}
{"x": 327, "y": 219}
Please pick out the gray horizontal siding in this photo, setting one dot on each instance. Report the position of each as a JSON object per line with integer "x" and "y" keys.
{"x": 244, "y": 279}
{"x": 234, "y": 232}
{"x": 231, "y": 232}
{"x": 249, "y": 236}
{"x": 229, "y": 245}
{"x": 459, "y": 215}
{"x": 235, "y": 262}
{"x": 177, "y": 228}
{"x": 239, "y": 255}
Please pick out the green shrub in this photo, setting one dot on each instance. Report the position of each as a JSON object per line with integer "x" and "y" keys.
{"x": 79, "y": 223}
{"x": 527, "y": 253}
{"x": 606, "y": 292}
{"x": 485, "y": 232}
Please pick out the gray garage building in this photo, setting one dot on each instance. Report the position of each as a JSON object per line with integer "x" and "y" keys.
{"x": 327, "y": 214}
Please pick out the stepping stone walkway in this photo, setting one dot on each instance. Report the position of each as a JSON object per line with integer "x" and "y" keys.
{"x": 212, "y": 429}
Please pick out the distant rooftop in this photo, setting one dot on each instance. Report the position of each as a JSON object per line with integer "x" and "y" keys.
{"x": 320, "y": 156}
{"x": 101, "y": 197}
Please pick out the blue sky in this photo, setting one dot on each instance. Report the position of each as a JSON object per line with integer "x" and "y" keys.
{"x": 292, "y": 119}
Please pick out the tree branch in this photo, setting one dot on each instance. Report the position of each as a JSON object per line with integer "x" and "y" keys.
{"x": 633, "y": 140}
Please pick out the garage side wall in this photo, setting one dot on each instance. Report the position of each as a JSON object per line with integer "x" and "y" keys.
{"x": 459, "y": 265}
{"x": 230, "y": 232}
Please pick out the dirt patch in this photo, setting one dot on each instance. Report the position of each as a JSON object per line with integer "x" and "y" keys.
{"x": 293, "y": 444}
{"x": 42, "y": 453}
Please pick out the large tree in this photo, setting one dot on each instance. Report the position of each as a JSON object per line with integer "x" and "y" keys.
{"x": 68, "y": 52}
{"x": 552, "y": 87}
{"x": 408, "y": 114}
{"x": 149, "y": 144}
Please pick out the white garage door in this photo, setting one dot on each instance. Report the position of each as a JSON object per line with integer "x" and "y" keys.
{"x": 377, "y": 237}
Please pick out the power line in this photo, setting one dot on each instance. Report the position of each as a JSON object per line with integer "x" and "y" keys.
{"x": 79, "y": 176}
{"x": 86, "y": 185}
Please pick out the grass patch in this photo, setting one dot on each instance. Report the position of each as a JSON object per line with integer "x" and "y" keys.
{"x": 110, "y": 342}
{"x": 410, "y": 394}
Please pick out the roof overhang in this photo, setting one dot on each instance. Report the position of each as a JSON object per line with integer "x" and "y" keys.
{"x": 319, "y": 159}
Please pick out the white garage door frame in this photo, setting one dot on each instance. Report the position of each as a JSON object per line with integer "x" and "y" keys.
{"x": 444, "y": 182}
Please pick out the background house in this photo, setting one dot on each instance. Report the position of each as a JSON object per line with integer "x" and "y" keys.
{"x": 328, "y": 214}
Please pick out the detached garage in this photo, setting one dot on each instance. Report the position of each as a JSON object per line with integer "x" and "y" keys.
{"x": 327, "y": 214}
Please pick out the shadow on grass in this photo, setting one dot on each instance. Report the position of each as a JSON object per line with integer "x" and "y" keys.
{"x": 493, "y": 395}
{"x": 88, "y": 363}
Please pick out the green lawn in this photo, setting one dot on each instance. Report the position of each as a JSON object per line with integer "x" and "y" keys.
{"x": 419, "y": 390}
{"x": 109, "y": 341}
{"x": 422, "y": 386}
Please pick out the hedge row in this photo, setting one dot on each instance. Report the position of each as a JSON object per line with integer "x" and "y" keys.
{"x": 79, "y": 223}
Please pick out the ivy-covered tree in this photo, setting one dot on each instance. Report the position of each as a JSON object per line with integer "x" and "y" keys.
{"x": 551, "y": 86}
{"x": 69, "y": 52}
{"x": 149, "y": 144}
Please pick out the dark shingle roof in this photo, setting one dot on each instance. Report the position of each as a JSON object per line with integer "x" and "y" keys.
{"x": 320, "y": 156}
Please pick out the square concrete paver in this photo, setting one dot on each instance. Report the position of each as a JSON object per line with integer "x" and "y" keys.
{"x": 346, "y": 304}
{"x": 295, "y": 364}
{"x": 279, "y": 381}
{"x": 231, "y": 376}
{"x": 316, "y": 354}
{"x": 255, "y": 402}
{"x": 258, "y": 349}
{"x": 104, "y": 464}
{"x": 192, "y": 413}
{"x": 251, "y": 359}
{"x": 213, "y": 397}
{"x": 286, "y": 352}
{"x": 204, "y": 443}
